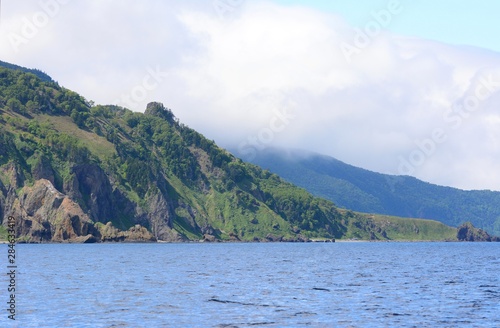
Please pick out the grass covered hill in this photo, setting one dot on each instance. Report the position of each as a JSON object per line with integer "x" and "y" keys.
{"x": 72, "y": 171}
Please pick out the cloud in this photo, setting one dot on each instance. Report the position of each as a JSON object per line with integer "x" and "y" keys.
{"x": 231, "y": 75}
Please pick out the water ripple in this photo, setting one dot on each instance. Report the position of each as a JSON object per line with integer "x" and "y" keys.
{"x": 254, "y": 285}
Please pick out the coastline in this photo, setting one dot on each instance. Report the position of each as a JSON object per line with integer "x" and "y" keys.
{"x": 250, "y": 241}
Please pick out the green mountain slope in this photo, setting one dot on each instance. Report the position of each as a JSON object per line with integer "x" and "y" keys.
{"x": 366, "y": 191}
{"x": 41, "y": 75}
{"x": 70, "y": 171}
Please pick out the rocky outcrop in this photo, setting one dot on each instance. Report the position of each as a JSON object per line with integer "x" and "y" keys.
{"x": 293, "y": 239}
{"x": 209, "y": 238}
{"x": 136, "y": 233}
{"x": 273, "y": 238}
{"x": 467, "y": 232}
{"x": 43, "y": 214}
{"x": 160, "y": 214}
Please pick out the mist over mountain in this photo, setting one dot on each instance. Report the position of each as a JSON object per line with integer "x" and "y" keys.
{"x": 226, "y": 77}
{"x": 366, "y": 191}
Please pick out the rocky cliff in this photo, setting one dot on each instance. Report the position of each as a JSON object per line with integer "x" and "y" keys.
{"x": 467, "y": 232}
{"x": 43, "y": 214}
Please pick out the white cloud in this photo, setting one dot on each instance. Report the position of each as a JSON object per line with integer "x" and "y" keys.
{"x": 227, "y": 76}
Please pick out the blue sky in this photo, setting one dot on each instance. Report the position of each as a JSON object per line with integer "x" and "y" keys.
{"x": 463, "y": 22}
{"x": 419, "y": 96}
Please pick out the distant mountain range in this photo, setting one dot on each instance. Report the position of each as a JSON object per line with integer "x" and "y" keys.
{"x": 366, "y": 191}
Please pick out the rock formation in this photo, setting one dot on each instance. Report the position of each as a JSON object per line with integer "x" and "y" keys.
{"x": 43, "y": 214}
{"x": 467, "y": 232}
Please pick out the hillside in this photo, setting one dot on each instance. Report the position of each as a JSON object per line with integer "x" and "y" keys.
{"x": 71, "y": 171}
{"x": 38, "y": 73}
{"x": 365, "y": 191}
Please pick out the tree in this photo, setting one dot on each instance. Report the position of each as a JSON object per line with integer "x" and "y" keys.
{"x": 15, "y": 105}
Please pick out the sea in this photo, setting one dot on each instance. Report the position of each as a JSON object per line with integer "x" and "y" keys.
{"x": 343, "y": 284}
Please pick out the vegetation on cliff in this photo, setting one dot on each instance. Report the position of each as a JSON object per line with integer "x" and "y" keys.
{"x": 68, "y": 168}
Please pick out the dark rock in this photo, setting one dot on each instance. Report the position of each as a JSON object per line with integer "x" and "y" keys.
{"x": 207, "y": 230}
{"x": 160, "y": 214}
{"x": 209, "y": 238}
{"x": 299, "y": 238}
{"x": 467, "y": 232}
{"x": 157, "y": 109}
{"x": 233, "y": 237}
{"x": 136, "y": 233}
{"x": 92, "y": 188}
{"x": 273, "y": 238}
{"x": 88, "y": 239}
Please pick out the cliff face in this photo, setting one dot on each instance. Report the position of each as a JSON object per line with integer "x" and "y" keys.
{"x": 87, "y": 209}
{"x": 44, "y": 214}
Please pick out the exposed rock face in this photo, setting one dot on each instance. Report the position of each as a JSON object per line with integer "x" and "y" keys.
{"x": 93, "y": 188}
{"x": 467, "y": 232}
{"x": 160, "y": 213}
{"x": 43, "y": 214}
{"x": 209, "y": 238}
{"x": 135, "y": 234}
{"x": 139, "y": 234}
{"x": 91, "y": 185}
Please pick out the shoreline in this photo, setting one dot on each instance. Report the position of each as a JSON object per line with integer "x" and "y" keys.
{"x": 256, "y": 242}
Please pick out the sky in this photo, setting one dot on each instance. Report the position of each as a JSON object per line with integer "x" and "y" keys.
{"x": 399, "y": 87}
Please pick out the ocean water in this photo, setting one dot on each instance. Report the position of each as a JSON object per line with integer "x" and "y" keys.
{"x": 255, "y": 285}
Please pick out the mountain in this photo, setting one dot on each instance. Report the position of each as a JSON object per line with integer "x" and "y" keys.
{"x": 41, "y": 75}
{"x": 366, "y": 191}
{"x": 74, "y": 172}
